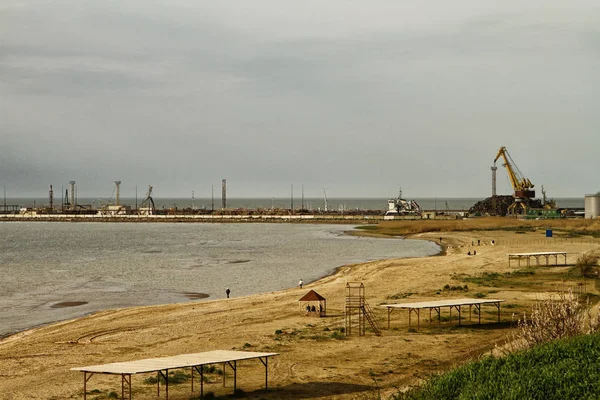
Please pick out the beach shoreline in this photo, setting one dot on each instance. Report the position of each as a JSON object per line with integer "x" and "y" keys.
{"x": 62, "y": 304}
{"x": 310, "y": 354}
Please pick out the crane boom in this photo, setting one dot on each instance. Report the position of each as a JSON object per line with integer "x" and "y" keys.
{"x": 522, "y": 186}
{"x": 517, "y": 180}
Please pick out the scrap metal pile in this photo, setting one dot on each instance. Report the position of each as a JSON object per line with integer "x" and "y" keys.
{"x": 498, "y": 205}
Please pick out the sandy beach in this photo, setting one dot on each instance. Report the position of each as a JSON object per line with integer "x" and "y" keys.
{"x": 316, "y": 360}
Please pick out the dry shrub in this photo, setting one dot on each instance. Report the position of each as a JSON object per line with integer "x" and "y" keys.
{"x": 587, "y": 264}
{"x": 408, "y": 227}
{"x": 551, "y": 319}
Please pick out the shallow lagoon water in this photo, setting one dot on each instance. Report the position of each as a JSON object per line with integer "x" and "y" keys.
{"x": 55, "y": 271}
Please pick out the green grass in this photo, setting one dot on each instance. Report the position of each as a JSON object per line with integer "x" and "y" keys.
{"x": 484, "y": 279}
{"x": 579, "y": 233}
{"x": 566, "y": 369}
{"x": 175, "y": 378}
{"x": 401, "y": 295}
{"x": 495, "y": 279}
{"x": 368, "y": 227}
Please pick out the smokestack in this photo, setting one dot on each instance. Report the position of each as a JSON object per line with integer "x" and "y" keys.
{"x": 51, "y": 196}
{"x": 118, "y": 193}
{"x": 72, "y": 183}
{"x": 224, "y": 193}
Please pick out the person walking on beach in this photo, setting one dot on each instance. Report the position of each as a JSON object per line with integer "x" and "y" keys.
{"x": 227, "y": 291}
{"x": 301, "y": 283}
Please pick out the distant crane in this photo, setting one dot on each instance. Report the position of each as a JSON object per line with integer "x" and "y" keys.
{"x": 148, "y": 201}
{"x": 523, "y": 188}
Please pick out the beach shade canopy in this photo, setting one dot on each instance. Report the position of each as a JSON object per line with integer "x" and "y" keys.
{"x": 313, "y": 304}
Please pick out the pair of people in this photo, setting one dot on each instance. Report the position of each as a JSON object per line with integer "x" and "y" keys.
{"x": 313, "y": 308}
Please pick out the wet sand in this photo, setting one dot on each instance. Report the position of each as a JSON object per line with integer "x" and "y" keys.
{"x": 316, "y": 360}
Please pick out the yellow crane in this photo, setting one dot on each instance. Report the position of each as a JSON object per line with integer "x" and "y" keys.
{"x": 523, "y": 188}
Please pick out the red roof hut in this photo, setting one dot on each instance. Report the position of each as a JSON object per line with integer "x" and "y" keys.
{"x": 313, "y": 304}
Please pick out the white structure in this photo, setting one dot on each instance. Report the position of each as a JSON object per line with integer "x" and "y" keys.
{"x": 72, "y": 184}
{"x": 110, "y": 210}
{"x": 400, "y": 206}
{"x": 592, "y": 205}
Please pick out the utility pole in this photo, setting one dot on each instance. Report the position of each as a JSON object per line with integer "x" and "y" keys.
{"x": 212, "y": 204}
{"x": 303, "y": 196}
{"x": 292, "y": 200}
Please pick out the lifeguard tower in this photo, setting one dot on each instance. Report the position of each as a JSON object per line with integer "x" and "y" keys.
{"x": 358, "y": 310}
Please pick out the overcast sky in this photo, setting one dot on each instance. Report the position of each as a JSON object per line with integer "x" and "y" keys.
{"x": 357, "y": 97}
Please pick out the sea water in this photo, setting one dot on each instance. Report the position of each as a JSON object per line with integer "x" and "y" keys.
{"x": 53, "y": 271}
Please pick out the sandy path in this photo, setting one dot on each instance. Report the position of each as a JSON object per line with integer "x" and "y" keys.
{"x": 36, "y": 364}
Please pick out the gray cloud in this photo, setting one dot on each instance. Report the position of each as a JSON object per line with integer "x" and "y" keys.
{"x": 358, "y": 97}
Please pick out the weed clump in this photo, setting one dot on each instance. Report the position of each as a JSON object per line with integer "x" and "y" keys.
{"x": 553, "y": 319}
{"x": 399, "y": 296}
{"x": 587, "y": 264}
{"x": 337, "y": 335}
{"x": 456, "y": 288}
{"x": 175, "y": 378}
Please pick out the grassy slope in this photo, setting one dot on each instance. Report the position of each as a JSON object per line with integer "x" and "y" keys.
{"x": 566, "y": 369}
{"x": 567, "y": 227}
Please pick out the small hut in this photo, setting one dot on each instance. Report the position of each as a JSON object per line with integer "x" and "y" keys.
{"x": 313, "y": 304}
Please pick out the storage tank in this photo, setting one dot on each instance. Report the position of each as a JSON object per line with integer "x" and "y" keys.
{"x": 592, "y": 205}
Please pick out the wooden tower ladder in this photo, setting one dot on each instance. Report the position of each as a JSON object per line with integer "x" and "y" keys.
{"x": 371, "y": 318}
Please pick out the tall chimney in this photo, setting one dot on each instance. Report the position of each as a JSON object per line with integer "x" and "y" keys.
{"x": 72, "y": 183}
{"x": 117, "y": 193}
{"x": 224, "y": 193}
